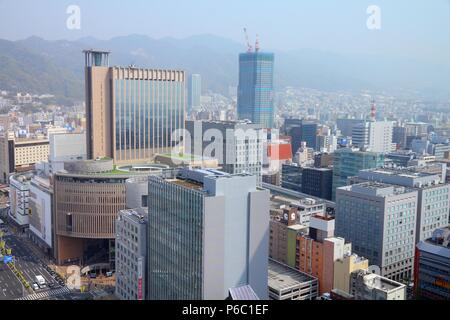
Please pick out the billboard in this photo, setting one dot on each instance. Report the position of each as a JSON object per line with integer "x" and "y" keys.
{"x": 140, "y": 276}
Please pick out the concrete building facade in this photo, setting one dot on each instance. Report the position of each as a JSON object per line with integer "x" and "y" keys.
{"x": 131, "y": 252}
{"x": 348, "y": 162}
{"x": 237, "y": 145}
{"x": 20, "y": 154}
{"x": 208, "y": 232}
{"x": 380, "y": 222}
{"x": 433, "y": 194}
{"x": 375, "y": 136}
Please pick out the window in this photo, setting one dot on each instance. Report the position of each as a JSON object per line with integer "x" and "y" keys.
{"x": 144, "y": 201}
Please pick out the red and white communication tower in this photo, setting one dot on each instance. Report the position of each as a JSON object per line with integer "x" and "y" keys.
{"x": 373, "y": 111}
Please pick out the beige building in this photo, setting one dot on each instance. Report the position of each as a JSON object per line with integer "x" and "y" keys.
{"x": 281, "y": 220}
{"x": 131, "y": 112}
{"x": 343, "y": 269}
{"x": 87, "y": 198}
{"x": 17, "y": 154}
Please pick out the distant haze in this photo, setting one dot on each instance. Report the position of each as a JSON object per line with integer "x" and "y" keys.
{"x": 323, "y": 44}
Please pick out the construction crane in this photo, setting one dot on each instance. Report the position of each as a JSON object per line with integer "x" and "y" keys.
{"x": 249, "y": 46}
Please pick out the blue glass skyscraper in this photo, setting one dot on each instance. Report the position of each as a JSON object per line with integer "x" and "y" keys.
{"x": 194, "y": 91}
{"x": 255, "y": 90}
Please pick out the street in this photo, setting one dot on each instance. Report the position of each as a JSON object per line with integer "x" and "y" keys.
{"x": 30, "y": 266}
{"x": 10, "y": 287}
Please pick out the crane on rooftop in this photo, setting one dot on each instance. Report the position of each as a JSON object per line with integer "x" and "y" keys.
{"x": 249, "y": 46}
{"x": 257, "y": 44}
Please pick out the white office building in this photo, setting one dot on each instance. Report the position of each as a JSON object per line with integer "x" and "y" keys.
{"x": 375, "y": 136}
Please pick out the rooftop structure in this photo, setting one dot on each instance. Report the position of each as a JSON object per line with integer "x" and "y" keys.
{"x": 376, "y": 189}
{"x": 371, "y": 286}
{"x": 243, "y": 293}
{"x": 432, "y": 271}
{"x": 286, "y": 283}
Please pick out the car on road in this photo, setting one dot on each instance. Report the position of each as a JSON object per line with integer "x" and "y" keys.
{"x": 35, "y": 286}
{"x": 40, "y": 281}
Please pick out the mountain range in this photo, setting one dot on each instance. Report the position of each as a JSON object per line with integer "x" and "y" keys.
{"x": 40, "y": 66}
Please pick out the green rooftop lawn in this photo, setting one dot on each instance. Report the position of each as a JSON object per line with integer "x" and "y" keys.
{"x": 183, "y": 156}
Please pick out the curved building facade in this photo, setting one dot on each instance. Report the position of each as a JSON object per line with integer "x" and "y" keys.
{"x": 87, "y": 206}
{"x": 88, "y": 196}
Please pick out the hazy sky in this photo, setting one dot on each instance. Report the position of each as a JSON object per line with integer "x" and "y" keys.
{"x": 419, "y": 29}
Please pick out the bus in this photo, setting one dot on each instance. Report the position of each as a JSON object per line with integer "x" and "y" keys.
{"x": 40, "y": 281}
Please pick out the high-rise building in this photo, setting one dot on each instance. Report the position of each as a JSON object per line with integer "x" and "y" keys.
{"x": 326, "y": 143}
{"x": 19, "y": 194}
{"x": 255, "y": 101}
{"x": 348, "y": 162}
{"x": 131, "y": 242}
{"x": 291, "y": 177}
{"x": 304, "y": 155}
{"x": 317, "y": 182}
{"x": 433, "y": 194}
{"x": 67, "y": 146}
{"x": 293, "y": 128}
{"x": 400, "y": 158}
{"x": 301, "y": 130}
{"x": 416, "y": 129}
{"x": 317, "y": 251}
{"x": 380, "y": 222}
{"x": 323, "y": 160}
{"x": 131, "y": 252}
{"x": 237, "y": 145}
{"x": 41, "y": 212}
{"x": 131, "y": 112}
{"x": 399, "y": 137}
{"x": 432, "y": 266}
{"x": 208, "y": 232}
{"x": 375, "y": 136}
{"x": 346, "y": 125}
{"x": 194, "y": 91}
{"x": 309, "y": 133}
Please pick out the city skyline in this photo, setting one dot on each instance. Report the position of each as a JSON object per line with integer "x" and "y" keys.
{"x": 244, "y": 166}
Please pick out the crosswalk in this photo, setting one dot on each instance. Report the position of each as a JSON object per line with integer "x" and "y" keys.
{"x": 46, "y": 294}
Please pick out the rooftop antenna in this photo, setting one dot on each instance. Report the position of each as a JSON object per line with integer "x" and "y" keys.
{"x": 257, "y": 44}
{"x": 249, "y": 46}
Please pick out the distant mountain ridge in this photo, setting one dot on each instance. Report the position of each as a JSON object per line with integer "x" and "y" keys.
{"x": 40, "y": 66}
